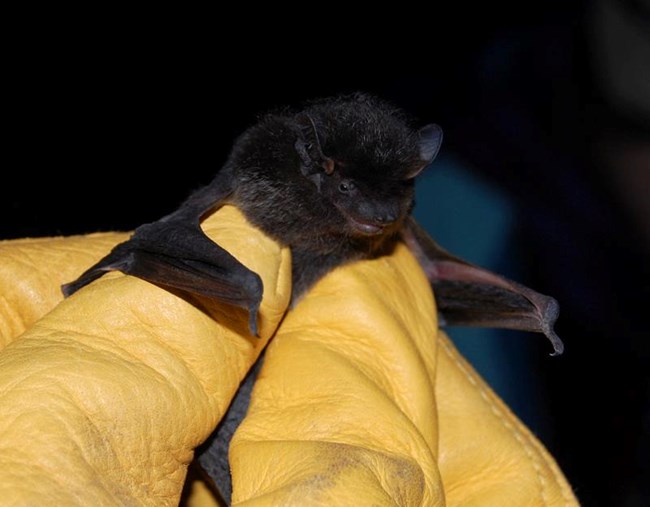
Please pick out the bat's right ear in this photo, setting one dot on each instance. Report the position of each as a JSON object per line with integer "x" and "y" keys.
{"x": 430, "y": 139}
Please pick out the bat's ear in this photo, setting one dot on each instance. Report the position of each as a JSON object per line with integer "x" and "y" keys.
{"x": 309, "y": 146}
{"x": 430, "y": 139}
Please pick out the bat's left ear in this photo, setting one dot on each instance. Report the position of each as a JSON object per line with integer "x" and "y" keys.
{"x": 309, "y": 148}
{"x": 430, "y": 139}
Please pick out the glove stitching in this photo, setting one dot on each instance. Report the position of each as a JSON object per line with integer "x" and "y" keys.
{"x": 530, "y": 452}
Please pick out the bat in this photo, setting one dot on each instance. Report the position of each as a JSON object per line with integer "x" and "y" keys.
{"x": 334, "y": 181}
{"x": 344, "y": 168}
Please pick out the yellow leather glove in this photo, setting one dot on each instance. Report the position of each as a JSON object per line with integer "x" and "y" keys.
{"x": 360, "y": 401}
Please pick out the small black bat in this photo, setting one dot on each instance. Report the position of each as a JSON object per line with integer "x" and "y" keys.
{"x": 334, "y": 182}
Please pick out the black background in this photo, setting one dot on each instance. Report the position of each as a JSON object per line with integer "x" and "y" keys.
{"x": 106, "y": 134}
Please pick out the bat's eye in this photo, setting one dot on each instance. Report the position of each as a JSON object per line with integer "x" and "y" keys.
{"x": 345, "y": 187}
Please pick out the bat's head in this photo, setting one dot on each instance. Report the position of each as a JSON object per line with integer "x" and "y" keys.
{"x": 362, "y": 155}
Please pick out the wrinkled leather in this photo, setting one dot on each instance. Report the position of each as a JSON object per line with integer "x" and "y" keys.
{"x": 374, "y": 406}
{"x": 105, "y": 397}
{"x": 361, "y": 400}
{"x": 32, "y": 271}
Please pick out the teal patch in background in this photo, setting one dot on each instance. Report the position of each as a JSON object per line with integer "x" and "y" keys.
{"x": 476, "y": 221}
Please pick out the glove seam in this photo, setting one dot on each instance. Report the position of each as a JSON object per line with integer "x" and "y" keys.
{"x": 512, "y": 428}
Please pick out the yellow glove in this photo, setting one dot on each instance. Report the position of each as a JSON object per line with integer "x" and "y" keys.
{"x": 359, "y": 401}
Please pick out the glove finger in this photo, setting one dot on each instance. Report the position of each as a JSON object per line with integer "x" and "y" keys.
{"x": 470, "y": 412}
{"x": 105, "y": 398}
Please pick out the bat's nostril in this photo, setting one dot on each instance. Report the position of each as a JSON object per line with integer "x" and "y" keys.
{"x": 385, "y": 219}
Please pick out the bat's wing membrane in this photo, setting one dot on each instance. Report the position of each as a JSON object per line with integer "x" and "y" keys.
{"x": 467, "y": 295}
{"x": 174, "y": 252}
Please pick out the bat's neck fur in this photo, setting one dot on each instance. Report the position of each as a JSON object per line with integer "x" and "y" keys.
{"x": 309, "y": 265}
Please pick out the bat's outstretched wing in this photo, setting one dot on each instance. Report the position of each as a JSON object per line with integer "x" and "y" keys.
{"x": 468, "y": 295}
{"x": 174, "y": 252}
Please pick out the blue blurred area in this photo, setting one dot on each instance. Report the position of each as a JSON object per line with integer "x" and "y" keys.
{"x": 476, "y": 220}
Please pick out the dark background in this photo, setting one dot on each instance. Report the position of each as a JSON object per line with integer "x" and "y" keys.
{"x": 543, "y": 176}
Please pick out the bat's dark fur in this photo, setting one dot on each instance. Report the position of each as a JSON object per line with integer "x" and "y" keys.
{"x": 335, "y": 182}
{"x": 328, "y": 219}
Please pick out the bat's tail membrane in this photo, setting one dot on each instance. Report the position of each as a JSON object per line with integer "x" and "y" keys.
{"x": 468, "y": 295}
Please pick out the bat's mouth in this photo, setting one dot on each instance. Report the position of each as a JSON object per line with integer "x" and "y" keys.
{"x": 365, "y": 228}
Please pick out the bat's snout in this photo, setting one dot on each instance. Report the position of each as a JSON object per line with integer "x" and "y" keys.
{"x": 372, "y": 227}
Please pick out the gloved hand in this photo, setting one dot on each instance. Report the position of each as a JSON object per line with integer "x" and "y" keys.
{"x": 361, "y": 400}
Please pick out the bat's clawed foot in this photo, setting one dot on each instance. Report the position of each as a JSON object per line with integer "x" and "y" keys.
{"x": 550, "y": 310}
{"x": 176, "y": 254}
{"x": 252, "y": 322}
{"x": 558, "y": 346}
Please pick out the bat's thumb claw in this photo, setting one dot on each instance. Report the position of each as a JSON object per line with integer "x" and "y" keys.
{"x": 252, "y": 321}
{"x": 558, "y": 346}
{"x": 550, "y": 313}
{"x": 92, "y": 274}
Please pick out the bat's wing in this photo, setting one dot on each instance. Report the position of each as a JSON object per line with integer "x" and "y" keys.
{"x": 174, "y": 252}
{"x": 467, "y": 295}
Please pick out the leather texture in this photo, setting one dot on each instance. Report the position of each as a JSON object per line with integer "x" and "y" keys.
{"x": 361, "y": 399}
